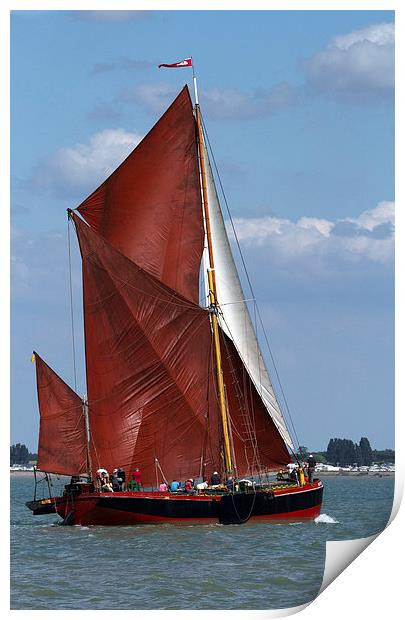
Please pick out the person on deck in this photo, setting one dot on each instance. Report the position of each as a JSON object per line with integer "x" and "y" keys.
{"x": 163, "y": 487}
{"x": 189, "y": 485}
{"x": 215, "y": 479}
{"x": 230, "y": 484}
{"x": 292, "y": 472}
{"x": 102, "y": 477}
{"x": 201, "y": 486}
{"x": 121, "y": 474}
{"x": 174, "y": 485}
{"x": 136, "y": 475}
{"x": 311, "y": 464}
{"x": 116, "y": 481}
{"x": 107, "y": 487}
{"x": 135, "y": 482}
{"x": 301, "y": 475}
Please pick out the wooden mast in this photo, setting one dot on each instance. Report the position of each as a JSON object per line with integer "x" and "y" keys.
{"x": 85, "y": 408}
{"x": 213, "y": 292}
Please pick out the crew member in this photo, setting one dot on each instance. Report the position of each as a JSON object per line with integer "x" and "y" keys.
{"x": 230, "y": 483}
{"x": 121, "y": 474}
{"x": 201, "y": 486}
{"x": 136, "y": 479}
{"x": 311, "y": 468}
{"x": 116, "y": 481}
{"x": 174, "y": 485}
{"x": 215, "y": 479}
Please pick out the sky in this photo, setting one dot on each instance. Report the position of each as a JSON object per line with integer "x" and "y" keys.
{"x": 299, "y": 111}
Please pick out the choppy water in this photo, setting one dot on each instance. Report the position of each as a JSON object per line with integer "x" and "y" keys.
{"x": 250, "y": 566}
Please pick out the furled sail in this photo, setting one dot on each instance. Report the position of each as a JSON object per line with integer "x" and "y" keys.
{"x": 150, "y": 207}
{"x": 148, "y": 356}
{"x": 236, "y": 321}
{"x": 62, "y": 447}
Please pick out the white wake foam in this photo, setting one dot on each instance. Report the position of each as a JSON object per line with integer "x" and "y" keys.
{"x": 324, "y": 518}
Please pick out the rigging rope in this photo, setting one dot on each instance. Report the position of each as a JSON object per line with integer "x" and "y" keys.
{"x": 250, "y": 284}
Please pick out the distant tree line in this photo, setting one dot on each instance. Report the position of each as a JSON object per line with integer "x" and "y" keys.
{"x": 384, "y": 456}
{"x": 20, "y": 455}
{"x": 345, "y": 452}
{"x": 339, "y": 452}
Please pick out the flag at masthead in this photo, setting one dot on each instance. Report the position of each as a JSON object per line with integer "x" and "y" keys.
{"x": 188, "y": 62}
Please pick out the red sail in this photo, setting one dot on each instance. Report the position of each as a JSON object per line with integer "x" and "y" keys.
{"x": 62, "y": 433}
{"x": 148, "y": 354}
{"x": 257, "y": 443}
{"x": 150, "y": 207}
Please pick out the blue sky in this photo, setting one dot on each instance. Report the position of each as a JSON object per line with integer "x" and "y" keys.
{"x": 299, "y": 111}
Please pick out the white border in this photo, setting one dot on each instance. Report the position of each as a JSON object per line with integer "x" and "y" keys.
{"x": 370, "y": 587}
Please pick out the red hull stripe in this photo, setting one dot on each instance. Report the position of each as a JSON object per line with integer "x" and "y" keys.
{"x": 308, "y": 513}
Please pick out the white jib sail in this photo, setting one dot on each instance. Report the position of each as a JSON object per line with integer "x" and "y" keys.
{"x": 236, "y": 321}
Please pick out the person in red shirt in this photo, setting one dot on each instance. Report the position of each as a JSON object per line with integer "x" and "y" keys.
{"x": 135, "y": 484}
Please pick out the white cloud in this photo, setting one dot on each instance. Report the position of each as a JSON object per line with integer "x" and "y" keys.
{"x": 72, "y": 171}
{"x": 369, "y": 236}
{"x": 322, "y": 226}
{"x": 226, "y": 103}
{"x": 232, "y": 103}
{"x": 220, "y": 103}
{"x": 155, "y": 98}
{"x": 357, "y": 64}
{"x": 383, "y": 213}
{"x": 110, "y": 16}
{"x": 380, "y": 34}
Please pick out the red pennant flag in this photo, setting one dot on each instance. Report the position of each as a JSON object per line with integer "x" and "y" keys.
{"x": 188, "y": 62}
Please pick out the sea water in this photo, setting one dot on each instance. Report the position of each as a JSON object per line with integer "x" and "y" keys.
{"x": 249, "y": 566}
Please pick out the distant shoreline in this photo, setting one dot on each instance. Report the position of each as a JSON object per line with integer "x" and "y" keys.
{"x": 355, "y": 474}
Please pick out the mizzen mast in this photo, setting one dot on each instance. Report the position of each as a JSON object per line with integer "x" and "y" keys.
{"x": 85, "y": 409}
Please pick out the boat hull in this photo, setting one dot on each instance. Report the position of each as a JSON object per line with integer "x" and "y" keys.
{"x": 43, "y": 506}
{"x": 127, "y": 508}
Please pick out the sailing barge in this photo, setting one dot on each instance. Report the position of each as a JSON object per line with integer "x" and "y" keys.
{"x": 176, "y": 387}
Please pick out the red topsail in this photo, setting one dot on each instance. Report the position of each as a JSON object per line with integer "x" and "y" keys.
{"x": 150, "y": 207}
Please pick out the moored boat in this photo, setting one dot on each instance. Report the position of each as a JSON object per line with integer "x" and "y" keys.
{"x": 177, "y": 384}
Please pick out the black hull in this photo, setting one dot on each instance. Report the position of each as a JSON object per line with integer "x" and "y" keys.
{"x": 240, "y": 508}
{"x": 42, "y": 506}
{"x": 128, "y": 508}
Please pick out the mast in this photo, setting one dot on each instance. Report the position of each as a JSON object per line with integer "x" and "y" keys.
{"x": 85, "y": 406}
{"x": 229, "y": 466}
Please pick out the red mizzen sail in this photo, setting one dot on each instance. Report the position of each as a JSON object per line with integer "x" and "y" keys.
{"x": 150, "y": 207}
{"x": 148, "y": 355}
{"x": 257, "y": 442}
{"x": 62, "y": 433}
